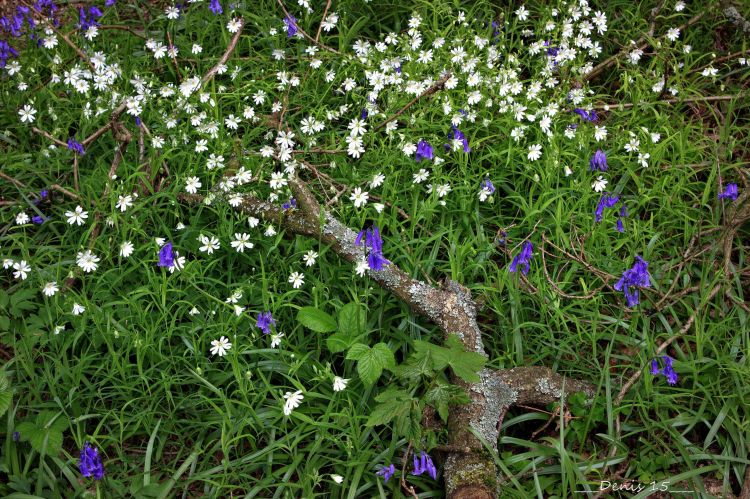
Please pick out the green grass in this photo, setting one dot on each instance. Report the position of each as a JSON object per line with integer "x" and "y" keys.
{"x": 133, "y": 373}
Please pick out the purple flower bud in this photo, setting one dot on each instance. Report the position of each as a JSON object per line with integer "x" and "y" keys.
{"x": 386, "y": 472}
{"x": 424, "y": 150}
{"x": 90, "y": 463}
{"x": 264, "y": 322}
{"x": 215, "y": 7}
{"x": 633, "y": 279}
{"x": 599, "y": 161}
{"x": 291, "y": 25}
{"x": 424, "y": 463}
{"x": 523, "y": 259}
{"x": 166, "y": 256}
{"x": 730, "y": 192}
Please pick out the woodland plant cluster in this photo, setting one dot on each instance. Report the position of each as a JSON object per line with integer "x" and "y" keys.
{"x": 208, "y": 210}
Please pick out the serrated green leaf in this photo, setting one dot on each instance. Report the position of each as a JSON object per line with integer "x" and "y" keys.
{"x": 371, "y": 361}
{"x": 357, "y": 351}
{"x": 385, "y": 355}
{"x": 369, "y": 368}
{"x": 5, "y": 393}
{"x": 351, "y": 319}
{"x": 316, "y": 320}
{"x": 464, "y": 364}
{"x": 338, "y": 342}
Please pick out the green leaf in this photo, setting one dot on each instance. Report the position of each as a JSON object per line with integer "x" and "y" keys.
{"x": 442, "y": 395}
{"x": 465, "y": 364}
{"x": 46, "y": 434}
{"x": 351, "y": 319}
{"x": 338, "y": 342}
{"x": 5, "y": 393}
{"x": 316, "y": 320}
{"x": 371, "y": 361}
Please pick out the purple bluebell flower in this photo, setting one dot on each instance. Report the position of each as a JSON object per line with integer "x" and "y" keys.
{"x": 138, "y": 121}
{"x": 668, "y": 370}
{"x": 264, "y": 322}
{"x": 522, "y": 259}
{"x": 166, "y": 256}
{"x": 75, "y": 146}
{"x": 606, "y": 201}
{"x": 386, "y": 472}
{"x": 424, "y": 463}
{"x": 89, "y": 18}
{"x": 586, "y": 115}
{"x": 16, "y": 436}
{"x": 488, "y": 186}
{"x": 292, "y": 203}
{"x": 375, "y": 259}
{"x": 38, "y": 219}
{"x": 215, "y": 7}
{"x": 598, "y": 161}
{"x": 424, "y": 151}
{"x": 363, "y": 115}
{"x": 109, "y": 3}
{"x": 623, "y": 214}
{"x": 291, "y": 25}
{"x": 90, "y": 463}
{"x": 730, "y": 192}
{"x": 633, "y": 279}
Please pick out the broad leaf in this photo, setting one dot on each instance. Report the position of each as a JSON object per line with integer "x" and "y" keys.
{"x": 316, "y": 320}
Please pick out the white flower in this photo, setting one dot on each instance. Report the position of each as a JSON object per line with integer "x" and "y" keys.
{"x": 673, "y": 34}
{"x": 252, "y": 222}
{"x": 409, "y": 149}
{"x": 270, "y": 231}
{"x": 76, "y": 217}
{"x": 337, "y": 478}
{"x": 126, "y": 249}
{"x": 361, "y": 267}
{"x": 292, "y": 401}
{"x": 192, "y": 184}
{"x": 600, "y": 133}
{"x": 209, "y": 244}
{"x": 359, "y": 198}
{"x": 194, "y": 311}
{"x": 78, "y": 309}
{"x": 679, "y": 6}
{"x": 522, "y": 13}
{"x": 568, "y": 171}
{"x": 221, "y": 346}
{"x": 276, "y": 339}
{"x": 421, "y": 176}
{"x": 27, "y": 114}
{"x": 535, "y": 152}
{"x": 172, "y": 13}
{"x": 643, "y": 159}
{"x": 339, "y": 383}
{"x": 277, "y": 180}
{"x": 241, "y": 241}
{"x": 22, "y": 218}
{"x": 87, "y": 261}
{"x": 7, "y": 263}
{"x": 58, "y": 330}
{"x": 124, "y": 202}
{"x": 50, "y": 289}
{"x": 178, "y": 263}
{"x": 296, "y": 279}
{"x": 215, "y": 161}
{"x": 599, "y": 184}
{"x": 632, "y": 146}
{"x": 377, "y": 180}
{"x": 234, "y": 25}
{"x": 309, "y": 258}
{"x": 709, "y": 71}
{"x": 655, "y": 137}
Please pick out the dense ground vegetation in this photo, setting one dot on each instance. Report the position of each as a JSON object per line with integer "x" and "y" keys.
{"x": 581, "y": 167}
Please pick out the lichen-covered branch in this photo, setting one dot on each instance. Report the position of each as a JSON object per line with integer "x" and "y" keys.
{"x": 470, "y": 473}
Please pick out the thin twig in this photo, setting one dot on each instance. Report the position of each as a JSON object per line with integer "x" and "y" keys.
{"x": 13, "y": 181}
{"x": 438, "y": 85}
{"x": 75, "y": 172}
{"x": 49, "y": 136}
{"x": 174, "y": 57}
{"x": 408, "y": 488}
{"x": 225, "y": 57}
{"x": 322, "y": 20}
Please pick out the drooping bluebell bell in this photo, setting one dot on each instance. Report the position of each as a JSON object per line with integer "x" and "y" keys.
{"x": 375, "y": 259}
{"x": 668, "y": 370}
{"x": 166, "y": 256}
{"x": 424, "y": 463}
{"x": 606, "y": 201}
{"x": 522, "y": 259}
{"x": 598, "y": 161}
{"x": 109, "y": 3}
{"x": 16, "y": 436}
{"x": 38, "y": 219}
{"x": 424, "y": 150}
{"x": 90, "y": 463}
{"x": 488, "y": 186}
{"x": 265, "y": 321}
{"x": 363, "y": 115}
{"x": 291, "y": 25}
{"x": 386, "y": 472}
{"x": 292, "y": 203}
{"x": 215, "y": 7}
{"x": 75, "y": 146}
{"x": 586, "y": 115}
{"x": 89, "y": 18}
{"x": 730, "y": 192}
{"x": 623, "y": 214}
{"x": 633, "y": 279}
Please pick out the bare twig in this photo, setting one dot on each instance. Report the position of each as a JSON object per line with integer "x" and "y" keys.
{"x": 49, "y": 136}
{"x": 438, "y": 85}
{"x": 225, "y": 57}
{"x": 408, "y": 488}
{"x": 322, "y": 20}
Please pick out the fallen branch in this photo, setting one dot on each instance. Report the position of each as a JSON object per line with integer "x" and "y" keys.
{"x": 470, "y": 473}
{"x": 225, "y": 57}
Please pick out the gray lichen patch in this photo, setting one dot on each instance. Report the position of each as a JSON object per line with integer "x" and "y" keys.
{"x": 343, "y": 235}
{"x": 546, "y": 386}
{"x": 465, "y": 470}
{"x": 497, "y": 397}
{"x": 424, "y": 297}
